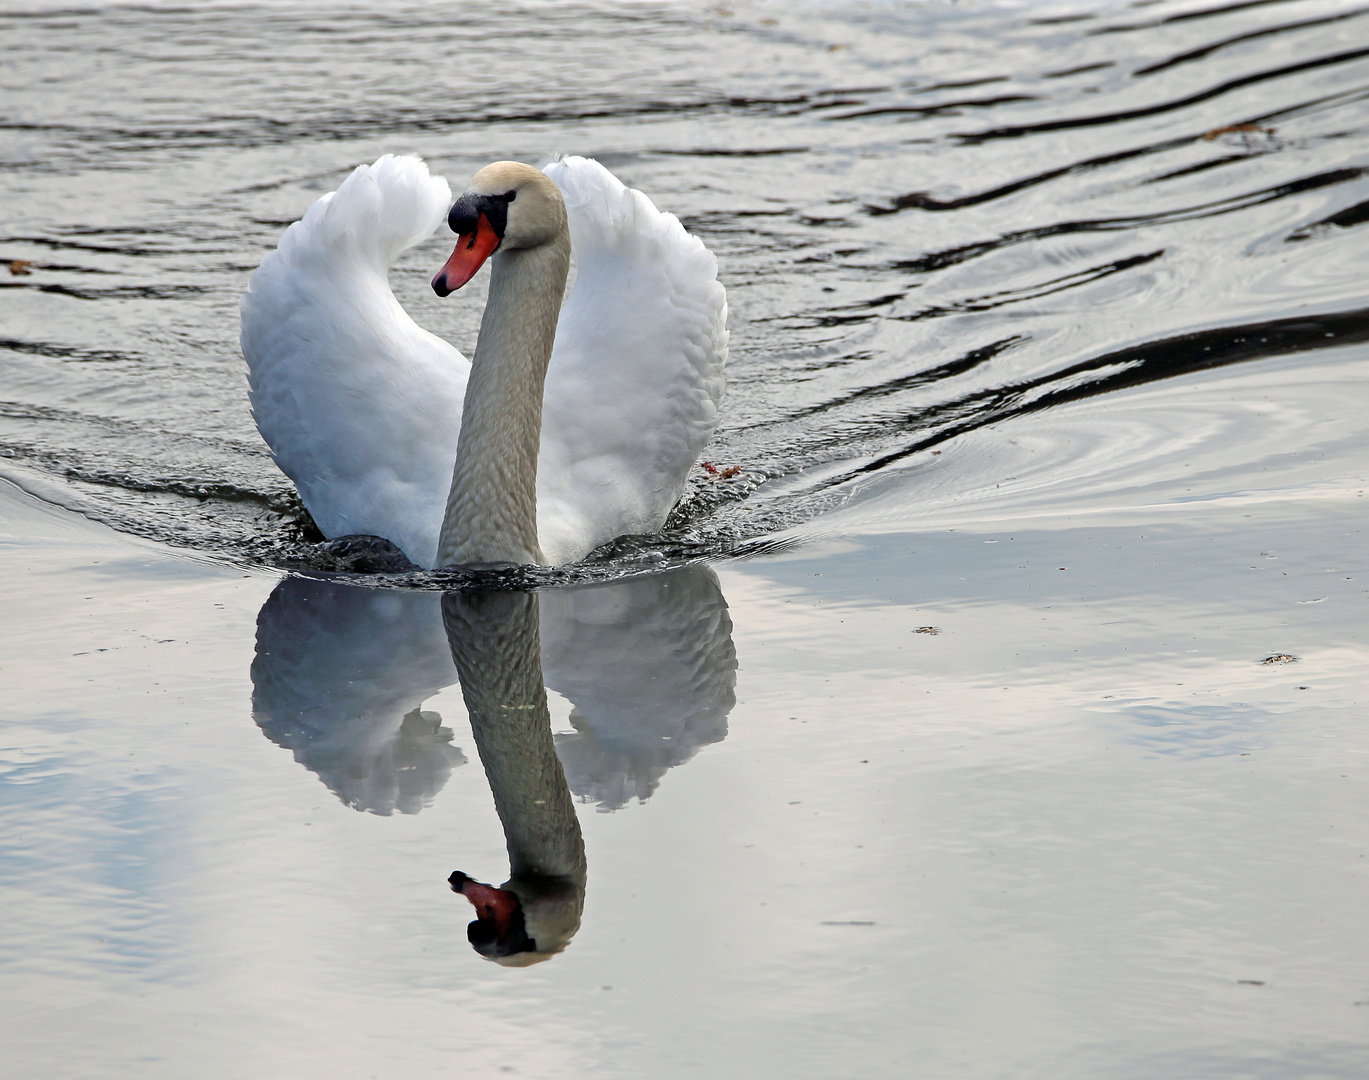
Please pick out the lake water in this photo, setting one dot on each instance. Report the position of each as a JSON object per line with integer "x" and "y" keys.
{"x": 1003, "y": 717}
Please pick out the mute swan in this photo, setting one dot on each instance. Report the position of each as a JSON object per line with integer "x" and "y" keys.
{"x": 367, "y": 412}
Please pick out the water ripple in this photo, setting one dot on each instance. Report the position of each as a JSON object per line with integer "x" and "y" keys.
{"x": 1145, "y": 198}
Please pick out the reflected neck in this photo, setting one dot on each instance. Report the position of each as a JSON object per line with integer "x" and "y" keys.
{"x": 495, "y": 640}
{"x": 492, "y": 505}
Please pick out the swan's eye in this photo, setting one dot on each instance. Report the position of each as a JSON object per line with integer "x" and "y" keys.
{"x": 509, "y": 196}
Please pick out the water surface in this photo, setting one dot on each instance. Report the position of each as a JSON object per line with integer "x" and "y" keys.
{"x": 944, "y": 746}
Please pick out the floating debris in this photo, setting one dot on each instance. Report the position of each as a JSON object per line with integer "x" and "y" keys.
{"x": 715, "y": 473}
{"x": 1237, "y": 129}
{"x": 1279, "y": 658}
{"x": 20, "y": 267}
{"x": 927, "y": 630}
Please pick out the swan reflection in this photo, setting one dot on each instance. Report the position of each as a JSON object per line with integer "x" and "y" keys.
{"x": 533, "y": 915}
{"x": 648, "y": 665}
{"x": 338, "y": 678}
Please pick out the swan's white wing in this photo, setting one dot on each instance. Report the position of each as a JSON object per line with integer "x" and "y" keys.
{"x": 360, "y": 406}
{"x": 636, "y": 376}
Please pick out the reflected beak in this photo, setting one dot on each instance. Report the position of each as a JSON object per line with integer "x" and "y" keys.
{"x": 472, "y": 249}
{"x": 496, "y": 905}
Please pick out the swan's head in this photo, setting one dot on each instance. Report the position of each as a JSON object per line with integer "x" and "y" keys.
{"x": 526, "y": 921}
{"x": 505, "y": 207}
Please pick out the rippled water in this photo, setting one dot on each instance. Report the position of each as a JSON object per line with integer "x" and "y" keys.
{"x": 959, "y": 758}
{"x": 928, "y": 219}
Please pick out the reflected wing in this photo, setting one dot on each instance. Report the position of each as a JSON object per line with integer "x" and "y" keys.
{"x": 360, "y": 406}
{"x": 338, "y": 678}
{"x": 340, "y": 672}
{"x": 650, "y": 667}
{"x": 636, "y": 376}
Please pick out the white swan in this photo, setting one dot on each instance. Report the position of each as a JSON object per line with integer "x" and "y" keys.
{"x": 367, "y": 412}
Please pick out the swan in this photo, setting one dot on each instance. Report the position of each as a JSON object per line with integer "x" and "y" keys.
{"x": 582, "y": 411}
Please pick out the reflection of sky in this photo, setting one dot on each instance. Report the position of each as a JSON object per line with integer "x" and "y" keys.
{"x": 1196, "y": 731}
{"x": 1337, "y": 1061}
{"x": 96, "y": 849}
{"x": 1032, "y": 892}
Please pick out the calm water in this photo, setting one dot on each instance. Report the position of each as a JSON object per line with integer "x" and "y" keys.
{"x": 945, "y": 746}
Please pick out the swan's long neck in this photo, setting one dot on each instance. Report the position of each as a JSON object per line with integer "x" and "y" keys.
{"x": 492, "y": 506}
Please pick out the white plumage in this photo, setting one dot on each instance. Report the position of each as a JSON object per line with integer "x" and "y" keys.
{"x": 361, "y": 407}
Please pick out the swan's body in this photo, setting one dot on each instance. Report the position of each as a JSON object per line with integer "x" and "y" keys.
{"x": 362, "y": 408}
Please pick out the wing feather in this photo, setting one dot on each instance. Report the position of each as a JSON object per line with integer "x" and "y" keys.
{"x": 636, "y": 376}
{"x": 360, "y": 406}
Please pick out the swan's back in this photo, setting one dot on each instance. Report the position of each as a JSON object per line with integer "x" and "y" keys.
{"x": 636, "y": 376}
{"x": 360, "y": 406}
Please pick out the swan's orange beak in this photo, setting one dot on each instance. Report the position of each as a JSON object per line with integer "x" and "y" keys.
{"x": 472, "y": 249}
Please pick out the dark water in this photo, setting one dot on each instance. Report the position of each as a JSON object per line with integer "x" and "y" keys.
{"x": 929, "y": 219}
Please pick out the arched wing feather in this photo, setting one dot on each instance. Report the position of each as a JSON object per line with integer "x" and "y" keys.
{"x": 360, "y": 406}
{"x": 636, "y": 376}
